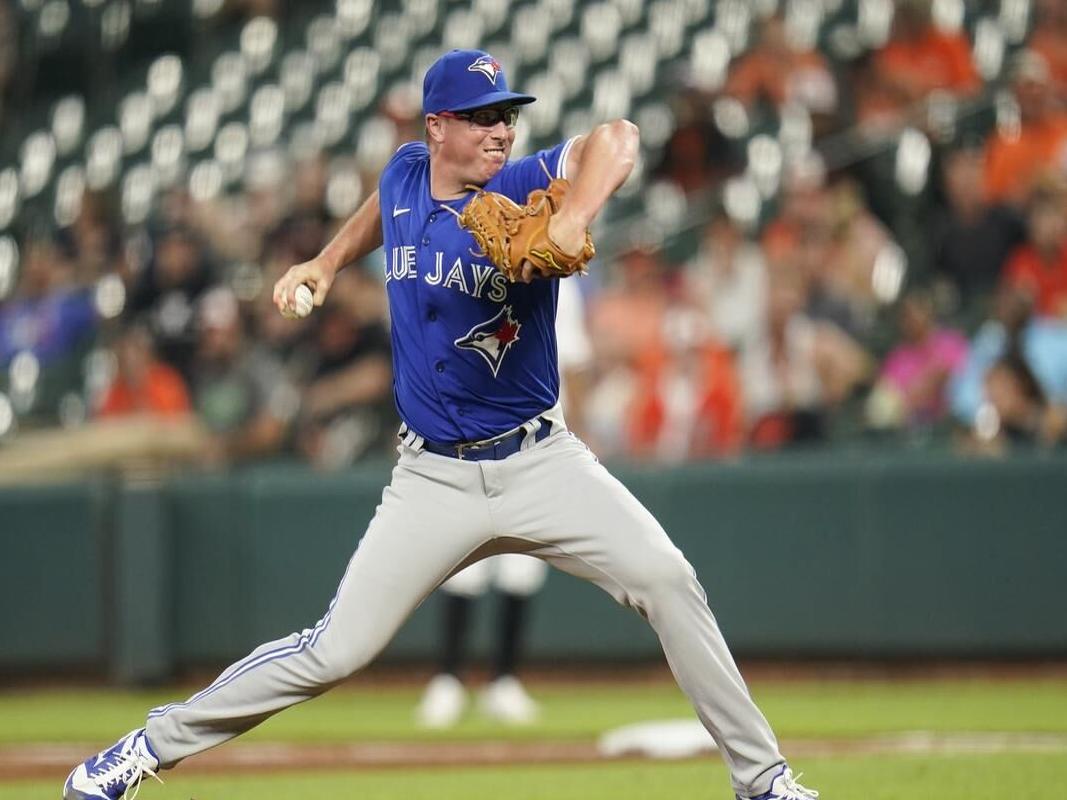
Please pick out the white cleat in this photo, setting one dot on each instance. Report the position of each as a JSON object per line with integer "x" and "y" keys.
{"x": 443, "y": 702}
{"x": 113, "y": 773}
{"x": 785, "y": 787}
{"x": 505, "y": 700}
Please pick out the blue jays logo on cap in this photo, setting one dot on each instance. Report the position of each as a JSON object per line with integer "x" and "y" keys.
{"x": 456, "y": 82}
{"x": 488, "y": 66}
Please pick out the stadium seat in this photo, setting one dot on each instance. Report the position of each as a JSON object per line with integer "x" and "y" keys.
{"x": 600, "y": 27}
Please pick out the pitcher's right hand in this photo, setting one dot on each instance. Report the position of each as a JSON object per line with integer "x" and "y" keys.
{"x": 316, "y": 273}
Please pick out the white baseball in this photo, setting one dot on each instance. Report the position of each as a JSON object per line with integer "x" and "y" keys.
{"x": 303, "y": 303}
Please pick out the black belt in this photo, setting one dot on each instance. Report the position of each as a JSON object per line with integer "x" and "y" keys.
{"x": 489, "y": 449}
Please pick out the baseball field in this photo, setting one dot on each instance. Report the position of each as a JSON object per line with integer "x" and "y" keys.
{"x": 975, "y": 734}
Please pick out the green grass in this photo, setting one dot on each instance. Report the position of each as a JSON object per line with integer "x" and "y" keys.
{"x": 580, "y": 711}
{"x": 882, "y": 778}
{"x": 797, "y": 709}
{"x": 864, "y": 708}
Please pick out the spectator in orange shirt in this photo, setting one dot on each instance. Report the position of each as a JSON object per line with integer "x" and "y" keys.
{"x": 1039, "y": 267}
{"x": 687, "y": 400}
{"x": 1050, "y": 40}
{"x": 780, "y": 71}
{"x": 625, "y": 320}
{"x": 627, "y": 316}
{"x": 919, "y": 58}
{"x": 143, "y": 384}
{"x": 802, "y": 229}
{"x": 1016, "y": 159}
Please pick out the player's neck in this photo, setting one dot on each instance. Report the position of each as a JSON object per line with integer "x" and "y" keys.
{"x": 446, "y": 182}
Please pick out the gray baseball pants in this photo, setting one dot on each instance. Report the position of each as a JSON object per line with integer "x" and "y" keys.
{"x": 552, "y": 500}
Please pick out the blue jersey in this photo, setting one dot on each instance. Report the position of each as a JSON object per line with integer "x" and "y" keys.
{"x": 473, "y": 355}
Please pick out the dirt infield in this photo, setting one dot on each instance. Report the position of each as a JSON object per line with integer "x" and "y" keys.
{"x": 46, "y": 760}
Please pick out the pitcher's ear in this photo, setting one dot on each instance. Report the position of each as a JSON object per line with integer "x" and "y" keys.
{"x": 435, "y": 128}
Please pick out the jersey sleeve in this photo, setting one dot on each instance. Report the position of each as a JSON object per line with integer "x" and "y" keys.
{"x": 518, "y": 178}
{"x": 406, "y": 156}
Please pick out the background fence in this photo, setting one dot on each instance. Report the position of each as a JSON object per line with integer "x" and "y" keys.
{"x": 810, "y": 555}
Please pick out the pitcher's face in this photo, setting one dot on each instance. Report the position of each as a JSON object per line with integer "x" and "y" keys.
{"x": 479, "y": 142}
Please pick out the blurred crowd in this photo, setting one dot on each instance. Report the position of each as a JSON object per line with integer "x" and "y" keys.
{"x": 856, "y": 309}
{"x": 176, "y": 319}
{"x": 809, "y": 326}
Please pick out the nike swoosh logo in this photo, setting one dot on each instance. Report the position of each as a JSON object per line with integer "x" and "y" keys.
{"x": 398, "y": 211}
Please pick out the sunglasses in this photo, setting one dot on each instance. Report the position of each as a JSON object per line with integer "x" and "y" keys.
{"x": 485, "y": 117}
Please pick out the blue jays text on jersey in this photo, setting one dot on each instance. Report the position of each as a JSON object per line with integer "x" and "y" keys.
{"x": 473, "y": 355}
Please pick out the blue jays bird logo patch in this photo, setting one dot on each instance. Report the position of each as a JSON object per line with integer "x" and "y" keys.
{"x": 488, "y": 66}
{"x": 493, "y": 338}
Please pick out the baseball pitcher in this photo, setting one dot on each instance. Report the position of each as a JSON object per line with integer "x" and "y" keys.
{"x": 474, "y": 248}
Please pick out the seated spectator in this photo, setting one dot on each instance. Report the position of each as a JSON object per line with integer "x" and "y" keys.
{"x": 804, "y": 218}
{"x": 728, "y": 280}
{"x": 143, "y": 384}
{"x": 918, "y": 59}
{"x": 880, "y": 110}
{"x": 971, "y": 238}
{"x": 1017, "y": 159}
{"x": 687, "y": 399}
{"x": 829, "y": 238}
{"x": 797, "y": 370}
{"x": 49, "y": 315}
{"x": 1039, "y": 267}
{"x": 1049, "y": 40}
{"x": 697, "y": 154}
{"x": 1021, "y": 414}
{"x": 842, "y": 280}
{"x": 1041, "y": 342}
{"x": 239, "y": 393}
{"x": 627, "y": 316}
{"x": 291, "y": 341}
{"x": 167, "y": 293}
{"x": 305, "y": 226}
{"x": 347, "y": 411}
{"x": 92, "y": 242}
{"x": 264, "y": 203}
{"x": 911, "y": 387}
{"x": 778, "y": 71}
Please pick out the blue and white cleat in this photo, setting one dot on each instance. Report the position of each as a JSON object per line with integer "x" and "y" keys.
{"x": 785, "y": 787}
{"x": 110, "y": 774}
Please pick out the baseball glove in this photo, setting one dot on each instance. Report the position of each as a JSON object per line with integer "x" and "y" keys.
{"x": 509, "y": 234}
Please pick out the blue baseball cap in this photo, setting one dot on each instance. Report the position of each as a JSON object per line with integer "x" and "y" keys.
{"x": 464, "y": 79}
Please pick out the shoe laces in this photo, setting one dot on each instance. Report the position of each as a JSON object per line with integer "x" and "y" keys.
{"x": 793, "y": 790}
{"x": 124, "y": 768}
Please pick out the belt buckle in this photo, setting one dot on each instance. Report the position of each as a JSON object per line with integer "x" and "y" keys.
{"x": 483, "y": 444}
{"x": 464, "y": 446}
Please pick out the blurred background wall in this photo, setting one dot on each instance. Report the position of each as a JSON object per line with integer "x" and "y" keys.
{"x": 825, "y": 338}
{"x": 819, "y": 556}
